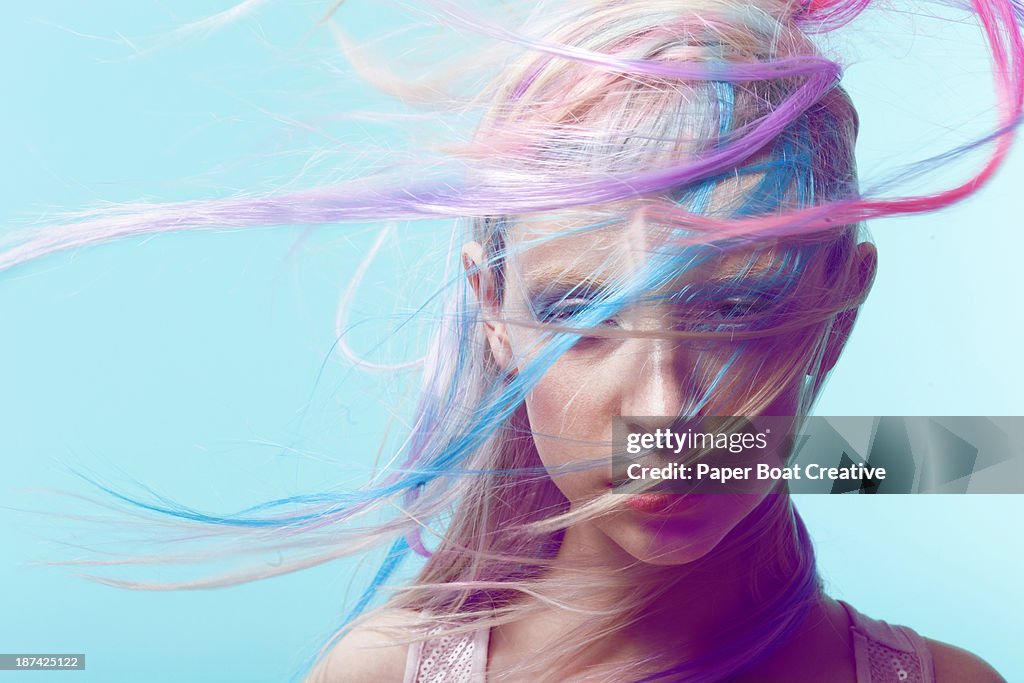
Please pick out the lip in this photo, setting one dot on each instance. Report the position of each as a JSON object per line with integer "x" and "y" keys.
{"x": 660, "y": 503}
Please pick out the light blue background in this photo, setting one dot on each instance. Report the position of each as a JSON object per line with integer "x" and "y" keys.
{"x": 188, "y": 361}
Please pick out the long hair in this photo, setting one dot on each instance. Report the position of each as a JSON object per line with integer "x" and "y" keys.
{"x": 552, "y": 117}
{"x": 721, "y": 122}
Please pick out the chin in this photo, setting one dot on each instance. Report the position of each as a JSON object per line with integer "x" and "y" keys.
{"x": 669, "y": 542}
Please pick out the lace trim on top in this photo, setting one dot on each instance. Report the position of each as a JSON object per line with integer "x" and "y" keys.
{"x": 883, "y": 654}
{"x": 460, "y": 658}
{"x": 887, "y": 664}
{"x": 888, "y": 654}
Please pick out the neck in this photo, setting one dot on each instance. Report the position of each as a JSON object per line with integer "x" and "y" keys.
{"x": 688, "y": 609}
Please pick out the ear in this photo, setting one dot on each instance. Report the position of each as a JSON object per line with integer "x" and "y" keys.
{"x": 865, "y": 266}
{"x": 481, "y": 281}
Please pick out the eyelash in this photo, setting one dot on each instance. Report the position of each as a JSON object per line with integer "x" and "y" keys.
{"x": 730, "y": 311}
{"x": 566, "y": 311}
{"x": 744, "y": 307}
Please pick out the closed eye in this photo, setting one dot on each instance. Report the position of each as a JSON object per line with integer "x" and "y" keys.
{"x": 731, "y": 313}
{"x": 741, "y": 307}
{"x": 570, "y": 311}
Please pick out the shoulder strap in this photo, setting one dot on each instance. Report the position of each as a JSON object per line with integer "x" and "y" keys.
{"x": 483, "y": 642}
{"x": 412, "y": 662}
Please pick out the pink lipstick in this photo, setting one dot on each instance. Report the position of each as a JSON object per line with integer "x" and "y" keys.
{"x": 659, "y": 503}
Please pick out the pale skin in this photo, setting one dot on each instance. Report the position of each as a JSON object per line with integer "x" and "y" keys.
{"x": 628, "y": 376}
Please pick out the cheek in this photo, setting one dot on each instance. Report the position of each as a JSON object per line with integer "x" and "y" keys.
{"x": 566, "y": 401}
{"x": 570, "y": 412}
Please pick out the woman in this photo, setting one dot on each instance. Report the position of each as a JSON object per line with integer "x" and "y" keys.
{"x": 636, "y": 308}
{"x": 667, "y": 223}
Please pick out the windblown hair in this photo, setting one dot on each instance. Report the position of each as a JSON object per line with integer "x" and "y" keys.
{"x": 720, "y": 121}
{"x": 555, "y": 118}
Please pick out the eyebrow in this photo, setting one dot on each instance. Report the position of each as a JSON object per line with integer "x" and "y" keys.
{"x": 552, "y": 276}
{"x": 766, "y": 280}
{"x": 568, "y": 279}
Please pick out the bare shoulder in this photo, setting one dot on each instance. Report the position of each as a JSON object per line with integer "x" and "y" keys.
{"x": 956, "y": 665}
{"x": 370, "y": 653}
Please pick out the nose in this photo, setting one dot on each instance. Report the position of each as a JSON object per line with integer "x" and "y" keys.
{"x": 658, "y": 380}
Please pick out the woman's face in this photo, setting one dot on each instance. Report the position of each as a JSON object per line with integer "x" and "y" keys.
{"x": 549, "y": 274}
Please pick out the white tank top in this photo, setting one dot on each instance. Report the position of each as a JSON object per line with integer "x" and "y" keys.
{"x": 883, "y": 654}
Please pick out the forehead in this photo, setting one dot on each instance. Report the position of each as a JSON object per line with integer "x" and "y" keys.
{"x": 613, "y": 245}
